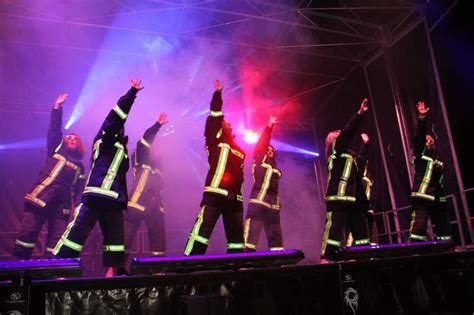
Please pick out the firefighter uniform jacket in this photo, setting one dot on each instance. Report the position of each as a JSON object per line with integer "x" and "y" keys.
{"x": 148, "y": 179}
{"x": 342, "y": 171}
{"x": 226, "y": 160}
{"x": 266, "y": 175}
{"x": 429, "y": 179}
{"x": 62, "y": 176}
{"x": 107, "y": 177}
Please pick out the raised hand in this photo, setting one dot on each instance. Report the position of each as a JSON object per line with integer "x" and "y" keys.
{"x": 60, "y": 100}
{"x": 218, "y": 85}
{"x": 422, "y": 109}
{"x": 162, "y": 119}
{"x": 364, "y": 137}
{"x": 272, "y": 120}
{"x": 363, "y": 106}
{"x": 137, "y": 84}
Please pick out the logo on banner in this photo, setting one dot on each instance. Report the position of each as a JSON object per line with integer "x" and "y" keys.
{"x": 15, "y": 296}
{"x": 351, "y": 297}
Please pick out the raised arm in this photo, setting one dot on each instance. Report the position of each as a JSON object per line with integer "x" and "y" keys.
{"x": 55, "y": 134}
{"x": 264, "y": 140}
{"x": 362, "y": 154}
{"x": 213, "y": 129}
{"x": 116, "y": 118}
{"x": 145, "y": 143}
{"x": 420, "y": 135}
{"x": 348, "y": 132}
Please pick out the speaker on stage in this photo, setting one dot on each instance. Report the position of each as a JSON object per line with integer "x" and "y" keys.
{"x": 148, "y": 265}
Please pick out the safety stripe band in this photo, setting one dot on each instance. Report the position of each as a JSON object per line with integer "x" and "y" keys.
{"x": 157, "y": 253}
{"x": 194, "y": 236}
{"x": 72, "y": 245}
{"x": 68, "y": 230}
{"x": 140, "y": 187}
{"x": 216, "y": 190}
{"x": 364, "y": 241}
{"x": 246, "y": 231}
{"x": 49, "y": 249}
{"x": 333, "y": 242}
{"x": 424, "y": 196}
{"x": 114, "y": 248}
{"x": 427, "y": 177}
{"x": 276, "y": 248}
{"x": 135, "y": 206}
{"x": 443, "y": 238}
{"x": 266, "y": 204}
{"x": 37, "y": 201}
{"x": 418, "y": 237}
{"x": 145, "y": 143}
{"x": 326, "y": 232}
{"x": 216, "y": 113}
{"x": 101, "y": 191}
{"x": 251, "y": 246}
{"x": 24, "y": 244}
{"x": 221, "y": 164}
{"x": 235, "y": 245}
{"x": 114, "y": 166}
{"x": 340, "y": 198}
{"x": 120, "y": 112}
{"x": 48, "y": 180}
{"x": 266, "y": 181}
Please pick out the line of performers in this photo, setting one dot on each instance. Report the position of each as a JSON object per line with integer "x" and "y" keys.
{"x": 101, "y": 196}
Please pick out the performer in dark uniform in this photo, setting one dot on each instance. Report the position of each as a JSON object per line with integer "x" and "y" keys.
{"x": 146, "y": 203}
{"x": 367, "y": 183}
{"x": 343, "y": 190}
{"x": 224, "y": 183}
{"x": 60, "y": 181}
{"x": 105, "y": 195}
{"x": 428, "y": 194}
{"x": 264, "y": 203}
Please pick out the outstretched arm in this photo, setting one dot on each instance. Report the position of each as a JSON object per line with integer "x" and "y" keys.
{"x": 420, "y": 135}
{"x": 55, "y": 134}
{"x": 348, "y": 132}
{"x": 213, "y": 129}
{"x": 116, "y": 118}
{"x": 145, "y": 143}
{"x": 264, "y": 140}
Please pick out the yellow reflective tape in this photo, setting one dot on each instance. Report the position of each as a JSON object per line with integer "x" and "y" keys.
{"x": 120, "y": 112}
{"x": 49, "y": 179}
{"x": 216, "y": 113}
{"x": 221, "y": 164}
{"x": 145, "y": 143}
{"x": 24, "y": 244}
{"x": 101, "y": 191}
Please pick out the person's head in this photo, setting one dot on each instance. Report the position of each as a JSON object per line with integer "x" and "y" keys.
{"x": 271, "y": 151}
{"x": 73, "y": 144}
{"x": 430, "y": 141}
{"x": 227, "y": 130}
{"x": 332, "y": 135}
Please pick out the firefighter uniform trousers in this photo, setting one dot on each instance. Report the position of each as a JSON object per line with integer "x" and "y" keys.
{"x": 33, "y": 220}
{"x": 154, "y": 220}
{"x": 231, "y": 211}
{"x": 258, "y": 217}
{"x": 85, "y": 217}
{"x": 439, "y": 215}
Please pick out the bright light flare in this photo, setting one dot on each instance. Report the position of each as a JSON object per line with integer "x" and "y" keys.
{"x": 251, "y": 136}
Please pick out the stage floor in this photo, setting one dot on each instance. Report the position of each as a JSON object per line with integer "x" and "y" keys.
{"x": 421, "y": 284}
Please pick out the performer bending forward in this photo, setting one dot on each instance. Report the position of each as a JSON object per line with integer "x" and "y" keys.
{"x": 428, "y": 194}
{"x": 105, "y": 195}
{"x": 224, "y": 183}
{"x": 264, "y": 203}
{"x": 343, "y": 196}
{"x": 146, "y": 203}
{"x": 60, "y": 181}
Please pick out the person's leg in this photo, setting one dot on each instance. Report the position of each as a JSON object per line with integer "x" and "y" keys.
{"x": 155, "y": 222}
{"x": 440, "y": 219}
{"x": 112, "y": 226}
{"x": 273, "y": 229}
{"x": 336, "y": 218}
{"x": 358, "y": 225}
{"x": 234, "y": 227}
{"x": 373, "y": 230}
{"x": 133, "y": 219}
{"x": 418, "y": 225}
{"x": 253, "y": 226}
{"x": 71, "y": 242}
{"x": 30, "y": 228}
{"x": 57, "y": 223}
{"x": 202, "y": 230}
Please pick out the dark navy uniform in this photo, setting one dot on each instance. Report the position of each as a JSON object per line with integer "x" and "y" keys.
{"x": 343, "y": 193}
{"x": 146, "y": 202}
{"x": 264, "y": 203}
{"x": 223, "y": 188}
{"x": 428, "y": 194}
{"x": 105, "y": 195}
{"x": 60, "y": 181}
